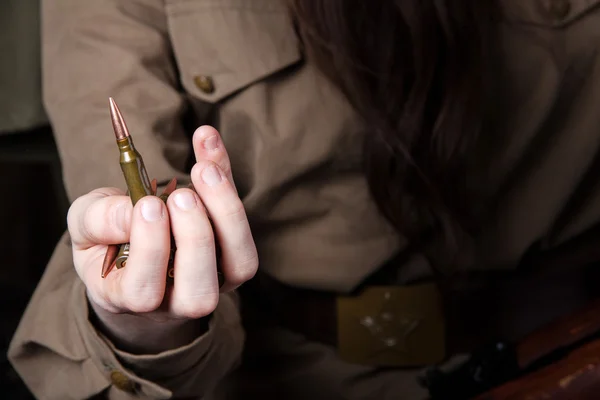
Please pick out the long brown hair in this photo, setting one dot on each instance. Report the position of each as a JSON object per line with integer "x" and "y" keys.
{"x": 415, "y": 71}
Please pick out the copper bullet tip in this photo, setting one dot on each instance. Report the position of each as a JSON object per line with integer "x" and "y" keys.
{"x": 109, "y": 259}
{"x": 118, "y": 123}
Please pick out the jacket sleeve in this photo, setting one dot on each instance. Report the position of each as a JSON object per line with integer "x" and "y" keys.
{"x": 93, "y": 50}
{"x": 60, "y": 355}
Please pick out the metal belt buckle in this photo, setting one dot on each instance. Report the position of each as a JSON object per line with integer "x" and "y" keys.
{"x": 393, "y": 326}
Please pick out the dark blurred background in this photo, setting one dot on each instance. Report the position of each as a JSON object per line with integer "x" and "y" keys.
{"x": 33, "y": 204}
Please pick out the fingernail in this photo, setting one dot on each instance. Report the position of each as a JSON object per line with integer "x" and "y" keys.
{"x": 152, "y": 210}
{"x": 210, "y": 143}
{"x": 185, "y": 200}
{"x": 211, "y": 176}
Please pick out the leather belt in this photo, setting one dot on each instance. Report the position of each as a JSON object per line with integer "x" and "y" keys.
{"x": 476, "y": 309}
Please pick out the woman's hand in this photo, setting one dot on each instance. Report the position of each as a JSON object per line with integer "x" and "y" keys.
{"x": 134, "y": 305}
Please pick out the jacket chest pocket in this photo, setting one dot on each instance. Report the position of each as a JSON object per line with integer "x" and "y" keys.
{"x": 223, "y": 46}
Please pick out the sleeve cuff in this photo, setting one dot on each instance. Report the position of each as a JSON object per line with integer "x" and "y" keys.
{"x": 169, "y": 363}
{"x": 192, "y": 369}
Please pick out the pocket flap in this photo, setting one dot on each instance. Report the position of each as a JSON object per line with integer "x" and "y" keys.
{"x": 222, "y": 46}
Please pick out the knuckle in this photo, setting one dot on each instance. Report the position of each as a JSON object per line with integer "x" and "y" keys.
{"x": 95, "y": 225}
{"x": 234, "y": 211}
{"x": 199, "y": 306}
{"x": 142, "y": 302}
{"x": 201, "y": 241}
{"x": 244, "y": 270}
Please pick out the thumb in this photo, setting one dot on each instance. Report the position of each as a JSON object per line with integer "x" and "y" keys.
{"x": 102, "y": 216}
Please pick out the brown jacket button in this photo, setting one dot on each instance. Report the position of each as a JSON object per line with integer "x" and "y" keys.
{"x": 122, "y": 382}
{"x": 204, "y": 83}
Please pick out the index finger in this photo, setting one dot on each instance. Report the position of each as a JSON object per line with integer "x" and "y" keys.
{"x": 102, "y": 216}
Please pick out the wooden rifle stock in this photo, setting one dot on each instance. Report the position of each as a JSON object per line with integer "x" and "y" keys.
{"x": 560, "y": 361}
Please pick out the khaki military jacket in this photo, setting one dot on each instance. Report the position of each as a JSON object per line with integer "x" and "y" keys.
{"x": 295, "y": 146}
